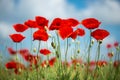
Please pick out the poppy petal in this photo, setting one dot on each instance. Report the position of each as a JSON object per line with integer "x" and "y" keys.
{"x": 40, "y": 35}
{"x": 20, "y": 27}
{"x": 45, "y": 51}
{"x": 16, "y": 37}
{"x": 41, "y": 21}
{"x": 100, "y": 34}
{"x": 65, "y": 32}
{"x": 90, "y": 23}
{"x": 31, "y": 24}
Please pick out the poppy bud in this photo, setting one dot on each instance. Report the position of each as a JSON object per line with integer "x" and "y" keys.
{"x": 53, "y": 45}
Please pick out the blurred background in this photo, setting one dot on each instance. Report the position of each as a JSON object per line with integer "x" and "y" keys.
{"x": 18, "y": 11}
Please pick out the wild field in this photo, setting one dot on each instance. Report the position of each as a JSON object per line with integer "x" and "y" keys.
{"x": 51, "y": 62}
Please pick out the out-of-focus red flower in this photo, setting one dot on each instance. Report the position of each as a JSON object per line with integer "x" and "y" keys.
{"x": 78, "y": 32}
{"x": 16, "y": 37}
{"x": 56, "y": 24}
{"x": 74, "y": 35}
{"x": 116, "y": 64}
{"x": 44, "y": 64}
{"x": 20, "y": 27}
{"x": 23, "y": 51}
{"x": 68, "y": 64}
{"x": 31, "y": 24}
{"x": 11, "y": 51}
{"x": 75, "y": 61}
{"x": 72, "y": 22}
{"x": 14, "y": 65}
{"x": 65, "y": 32}
{"x": 101, "y": 63}
{"x": 81, "y": 32}
{"x": 90, "y": 23}
{"x": 100, "y": 34}
{"x": 52, "y": 61}
{"x": 116, "y": 44}
{"x": 110, "y": 54}
{"x": 41, "y": 21}
{"x": 40, "y": 34}
{"x": 45, "y": 51}
{"x": 11, "y": 65}
{"x": 92, "y": 63}
{"x": 108, "y": 46}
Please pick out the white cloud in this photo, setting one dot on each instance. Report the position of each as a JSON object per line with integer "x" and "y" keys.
{"x": 107, "y": 10}
{"x": 5, "y": 29}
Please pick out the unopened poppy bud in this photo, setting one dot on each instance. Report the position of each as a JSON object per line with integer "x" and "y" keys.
{"x": 82, "y": 65}
{"x": 92, "y": 42}
{"x": 49, "y": 35}
{"x": 20, "y": 70}
{"x": 78, "y": 51}
{"x": 34, "y": 50}
{"x": 72, "y": 57}
{"x": 46, "y": 28}
{"x": 100, "y": 41}
{"x": 53, "y": 45}
{"x": 78, "y": 64}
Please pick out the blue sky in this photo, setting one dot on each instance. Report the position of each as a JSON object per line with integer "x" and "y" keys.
{"x": 18, "y": 11}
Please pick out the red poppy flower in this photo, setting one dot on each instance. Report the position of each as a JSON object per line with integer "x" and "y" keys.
{"x": 75, "y": 61}
{"x": 20, "y": 27}
{"x": 109, "y": 46}
{"x": 23, "y": 51}
{"x": 11, "y": 65}
{"x": 29, "y": 57}
{"x": 116, "y": 64}
{"x": 74, "y": 35}
{"x": 52, "y": 61}
{"x": 65, "y": 32}
{"x": 116, "y": 44}
{"x": 16, "y": 37}
{"x": 92, "y": 63}
{"x": 44, "y": 64}
{"x": 110, "y": 55}
{"x": 41, "y": 21}
{"x": 72, "y": 22}
{"x": 15, "y": 65}
{"x": 101, "y": 63}
{"x": 56, "y": 24}
{"x": 99, "y": 34}
{"x": 90, "y": 23}
{"x": 11, "y": 51}
{"x": 31, "y": 24}
{"x": 81, "y": 32}
{"x": 40, "y": 35}
{"x": 68, "y": 64}
{"x": 45, "y": 51}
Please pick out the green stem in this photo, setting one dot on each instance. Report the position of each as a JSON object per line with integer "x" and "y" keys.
{"x": 98, "y": 51}
{"x": 89, "y": 50}
{"x": 37, "y": 70}
{"x": 98, "y": 55}
{"x": 16, "y": 51}
{"x": 66, "y": 51}
{"x": 31, "y": 40}
{"x": 58, "y": 47}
